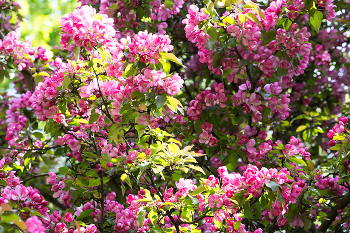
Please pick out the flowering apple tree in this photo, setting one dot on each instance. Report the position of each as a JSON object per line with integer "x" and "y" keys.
{"x": 178, "y": 116}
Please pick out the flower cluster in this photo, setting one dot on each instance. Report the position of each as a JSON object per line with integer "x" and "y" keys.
{"x": 18, "y": 50}
{"x": 43, "y": 100}
{"x": 25, "y": 197}
{"x": 86, "y": 28}
{"x": 161, "y": 13}
{"x": 205, "y": 99}
{"x": 250, "y": 47}
{"x": 147, "y": 47}
{"x": 15, "y": 120}
{"x": 336, "y": 130}
{"x": 205, "y": 137}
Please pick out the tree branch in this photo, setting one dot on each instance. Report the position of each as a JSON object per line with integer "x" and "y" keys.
{"x": 333, "y": 213}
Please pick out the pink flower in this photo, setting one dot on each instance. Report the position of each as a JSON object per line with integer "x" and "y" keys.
{"x": 34, "y": 225}
{"x": 222, "y": 170}
{"x": 61, "y": 228}
{"x": 174, "y": 84}
{"x": 52, "y": 178}
{"x": 212, "y": 141}
{"x": 297, "y": 222}
{"x": 215, "y": 201}
{"x": 91, "y": 228}
{"x": 74, "y": 144}
{"x": 204, "y": 137}
{"x": 68, "y": 217}
{"x": 207, "y": 127}
{"x": 132, "y": 156}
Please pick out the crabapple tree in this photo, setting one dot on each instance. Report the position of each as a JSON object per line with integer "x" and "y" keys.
{"x": 178, "y": 116}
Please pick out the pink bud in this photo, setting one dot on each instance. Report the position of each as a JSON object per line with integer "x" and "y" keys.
{"x": 332, "y": 143}
{"x": 343, "y": 119}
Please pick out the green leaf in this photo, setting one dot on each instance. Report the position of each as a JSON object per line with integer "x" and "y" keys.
{"x": 231, "y": 42}
{"x": 316, "y": 20}
{"x": 201, "y": 188}
{"x": 9, "y": 217}
{"x": 281, "y": 72}
{"x": 248, "y": 213}
{"x": 310, "y": 165}
{"x": 166, "y": 66}
{"x": 233, "y": 160}
{"x": 63, "y": 106}
{"x": 63, "y": 170}
{"x": 173, "y": 58}
{"x": 140, "y": 12}
{"x": 213, "y": 36}
{"x": 307, "y": 222}
{"x": 254, "y": 19}
{"x": 126, "y": 178}
{"x": 186, "y": 215}
{"x": 198, "y": 126}
{"x": 269, "y": 36}
{"x": 217, "y": 60}
{"x": 174, "y": 104}
{"x": 38, "y": 79}
{"x": 273, "y": 185}
{"x": 160, "y": 101}
{"x": 308, "y": 4}
{"x": 237, "y": 225}
{"x": 301, "y": 128}
{"x": 265, "y": 114}
{"x": 140, "y": 217}
{"x": 66, "y": 82}
{"x": 76, "y": 52}
{"x": 297, "y": 161}
{"x": 129, "y": 70}
{"x": 169, "y": 4}
{"x": 152, "y": 215}
{"x": 94, "y": 182}
{"x": 85, "y": 213}
{"x": 197, "y": 168}
{"x": 287, "y": 23}
{"x": 94, "y": 117}
{"x": 123, "y": 189}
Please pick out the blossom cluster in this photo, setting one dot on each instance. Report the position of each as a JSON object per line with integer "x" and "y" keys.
{"x": 147, "y": 47}
{"x": 86, "y": 28}
{"x": 15, "y": 120}
{"x": 21, "y": 52}
{"x": 206, "y": 99}
{"x": 161, "y": 13}
{"x": 248, "y": 33}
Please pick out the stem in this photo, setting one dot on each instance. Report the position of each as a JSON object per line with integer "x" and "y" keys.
{"x": 33, "y": 177}
{"x": 103, "y": 99}
{"x": 198, "y": 219}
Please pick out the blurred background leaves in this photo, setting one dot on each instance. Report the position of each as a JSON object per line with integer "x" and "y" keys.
{"x": 41, "y": 19}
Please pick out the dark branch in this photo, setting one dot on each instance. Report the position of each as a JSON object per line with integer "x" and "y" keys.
{"x": 333, "y": 213}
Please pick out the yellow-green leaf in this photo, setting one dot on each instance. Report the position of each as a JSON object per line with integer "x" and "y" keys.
{"x": 254, "y": 19}
{"x": 301, "y": 128}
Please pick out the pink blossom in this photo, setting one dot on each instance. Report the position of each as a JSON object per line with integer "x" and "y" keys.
{"x": 34, "y": 225}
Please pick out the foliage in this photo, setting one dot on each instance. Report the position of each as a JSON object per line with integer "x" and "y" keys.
{"x": 173, "y": 116}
